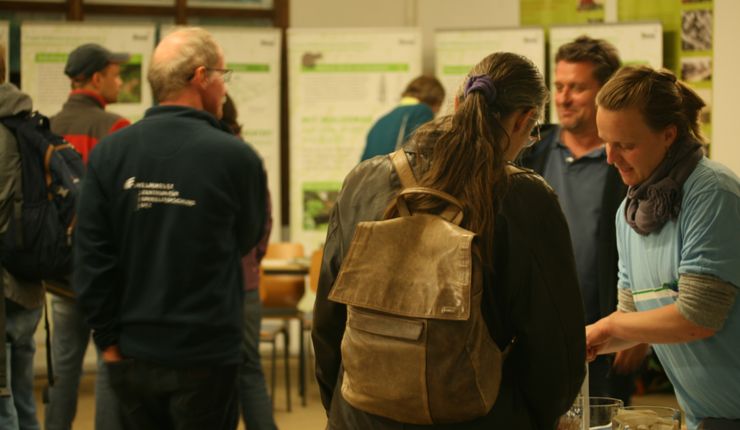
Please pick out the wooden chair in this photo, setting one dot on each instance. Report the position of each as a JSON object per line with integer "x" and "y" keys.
{"x": 280, "y": 295}
{"x": 270, "y": 331}
{"x": 313, "y": 284}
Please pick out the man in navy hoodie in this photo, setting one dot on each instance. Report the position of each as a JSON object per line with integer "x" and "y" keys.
{"x": 167, "y": 208}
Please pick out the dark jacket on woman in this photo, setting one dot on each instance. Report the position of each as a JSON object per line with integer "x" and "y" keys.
{"x": 532, "y": 293}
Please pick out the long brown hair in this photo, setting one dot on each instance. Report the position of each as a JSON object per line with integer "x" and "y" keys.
{"x": 467, "y": 156}
{"x": 658, "y": 95}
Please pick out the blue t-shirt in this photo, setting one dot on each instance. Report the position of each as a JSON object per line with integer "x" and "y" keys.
{"x": 704, "y": 240}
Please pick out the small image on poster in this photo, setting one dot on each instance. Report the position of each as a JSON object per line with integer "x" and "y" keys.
{"x": 584, "y": 5}
{"x": 696, "y": 30}
{"x": 318, "y": 201}
{"x": 131, "y": 77}
{"x": 696, "y": 69}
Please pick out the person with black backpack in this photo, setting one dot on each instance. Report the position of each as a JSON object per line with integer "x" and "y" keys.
{"x": 24, "y": 298}
{"x": 94, "y": 73}
{"x": 481, "y": 329}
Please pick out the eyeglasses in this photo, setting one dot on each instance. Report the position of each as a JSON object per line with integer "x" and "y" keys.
{"x": 225, "y": 73}
{"x": 534, "y": 135}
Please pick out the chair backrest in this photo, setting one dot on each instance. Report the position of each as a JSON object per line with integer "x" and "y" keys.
{"x": 282, "y": 292}
{"x": 315, "y": 269}
{"x": 284, "y": 250}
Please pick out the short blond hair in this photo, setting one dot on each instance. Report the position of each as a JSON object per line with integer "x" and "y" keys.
{"x": 169, "y": 74}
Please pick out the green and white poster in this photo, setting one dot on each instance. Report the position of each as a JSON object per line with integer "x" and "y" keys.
{"x": 254, "y": 56}
{"x": 637, "y": 43}
{"x": 341, "y": 81}
{"x": 688, "y": 27}
{"x": 5, "y": 43}
{"x": 551, "y": 12}
{"x": 457, "y": 51}
{"x": 44, "y": 51}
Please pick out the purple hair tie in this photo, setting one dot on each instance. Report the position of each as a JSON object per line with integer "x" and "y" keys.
{"x": 483, "y": 84}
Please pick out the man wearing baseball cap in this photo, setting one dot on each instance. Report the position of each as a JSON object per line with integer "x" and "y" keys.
{"x": 94, "y": 72}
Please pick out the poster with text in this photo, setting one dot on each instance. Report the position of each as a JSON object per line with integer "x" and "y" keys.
{"x": 637, "y": 43}
{"x": 458, "y": 51}
{"x": 254, "y": 57}
{"x": 46, "y": 46}
{"x": 5, "y": 44}
{"x": 341, "y": 82}
{"x": 549, "y": 12}
{"x": 688, "y": 31}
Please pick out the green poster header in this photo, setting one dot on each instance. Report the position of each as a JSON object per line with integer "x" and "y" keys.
{"x": 249, "y": 68}
{"x": 456, "y": 70}
{"x": 322, "y": 186}
{"x": 61, "y": 57}
{"x": 135, "y": 59}
{"x": 51, "y": 57}
{"x": 356, "y": 68}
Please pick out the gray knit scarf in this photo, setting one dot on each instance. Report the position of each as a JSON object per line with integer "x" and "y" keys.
{"x": 652, "y": 203}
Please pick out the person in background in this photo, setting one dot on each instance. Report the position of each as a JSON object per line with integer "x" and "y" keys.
{"x": 94, "y": 72}
{"x": 167, "y": 209}
{"x": 256, "y": 408}
{"x": 572, "y": 159}
{"x": 678, "y": 242}
{"x": 420, "y": 101}
{"x": 95, "y": 76}
{"x": 527, "y": 259}
{"x": 22, "y": 299}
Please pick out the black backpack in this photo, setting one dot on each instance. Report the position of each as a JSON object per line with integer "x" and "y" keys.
{"x": 38, "y": 242}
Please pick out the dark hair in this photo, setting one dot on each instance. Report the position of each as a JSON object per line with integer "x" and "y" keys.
{"x": 467, "y": 158}
{"x": 658, "y": 95}
{"x": 427, "y": 89}
{"x": 230, "y": 115}
{"x": 602, "y": 54}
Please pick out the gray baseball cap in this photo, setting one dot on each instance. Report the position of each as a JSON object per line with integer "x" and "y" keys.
{"x": 89, "y": 58}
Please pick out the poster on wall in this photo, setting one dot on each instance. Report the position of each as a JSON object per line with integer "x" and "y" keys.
{"x": 5, "y": 43}
{"x": 637, "y": 43}
{"x": 549, "y": 12}
{"x": 457, "y": 51}
{"x": 688, "y": 27}
{"x": 254, "y": 57}
{"x": 44, "y": 51}
{"x": 341, "y": 81}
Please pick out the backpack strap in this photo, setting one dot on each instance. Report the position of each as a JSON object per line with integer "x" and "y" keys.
{"x": 453, "y": 212}
{"x": 403, "y": 168}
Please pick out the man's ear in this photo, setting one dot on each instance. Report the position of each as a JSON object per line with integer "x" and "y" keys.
{"x": 96, "y": 79}
{"x": 200, "y": 76}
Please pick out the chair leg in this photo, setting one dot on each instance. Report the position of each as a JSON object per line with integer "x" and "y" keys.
{"x": 273, "y": 366}
{"x": 302, "y": 364}
{"x": 287, "y": 364}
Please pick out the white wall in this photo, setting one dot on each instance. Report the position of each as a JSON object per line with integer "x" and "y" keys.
{"x": 429, "y": 15}
{"x": 725, "y": 140}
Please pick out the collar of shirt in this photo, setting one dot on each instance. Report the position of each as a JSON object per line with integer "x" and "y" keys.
{"x": 407, "y": 101}
{"x": 91, "y": 94}
{"x": 597, "y": 153}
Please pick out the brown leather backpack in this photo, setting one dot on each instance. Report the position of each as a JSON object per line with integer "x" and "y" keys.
{"x": 416, "y": 348}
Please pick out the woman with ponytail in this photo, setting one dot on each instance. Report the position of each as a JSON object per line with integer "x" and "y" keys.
{"x": 530, "y": 284}
{"x": 679, "y": 244}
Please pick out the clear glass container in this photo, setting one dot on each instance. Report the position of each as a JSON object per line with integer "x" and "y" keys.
{"x": 601, "y": 410}
{"x": 647, "y": 418}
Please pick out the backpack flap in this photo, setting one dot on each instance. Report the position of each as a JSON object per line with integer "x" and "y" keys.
{"x": 417, "y": 266}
